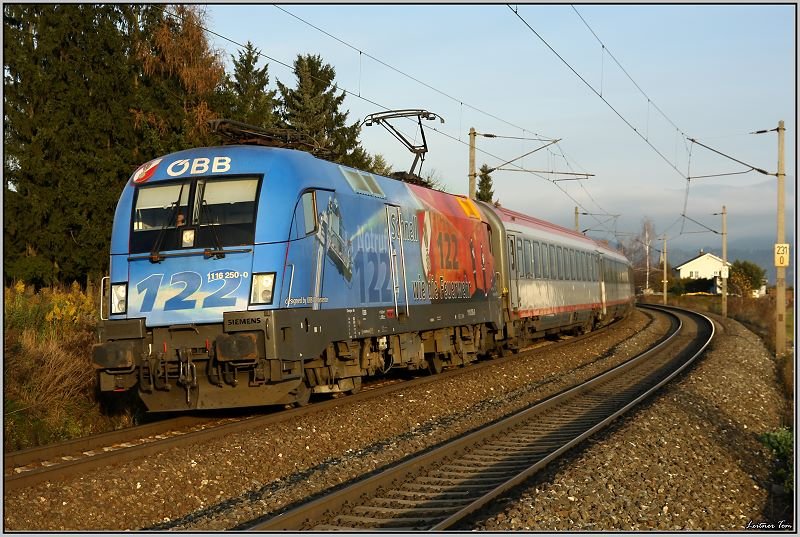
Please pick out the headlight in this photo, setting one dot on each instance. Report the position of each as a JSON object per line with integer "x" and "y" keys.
{"x": 187, "y": 238}
{"x": 261, "y": 288}
{"x": 119, "y": 293}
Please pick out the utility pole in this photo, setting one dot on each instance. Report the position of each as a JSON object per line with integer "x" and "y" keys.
{"x": 665, "y": 269}
{"x": 472, "y": 189}
{"x": 780, "y": 283}
{"x": 577, "y": 225}
{"x": 724, "y": 271}
{"x": 647, "y": 257}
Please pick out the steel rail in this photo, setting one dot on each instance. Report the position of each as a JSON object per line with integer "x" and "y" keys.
{"x": 75, "y": 457}
{"x": 439, "y": 488}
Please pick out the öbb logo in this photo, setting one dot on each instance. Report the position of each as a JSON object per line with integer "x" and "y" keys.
{"x": 199, "y": 165}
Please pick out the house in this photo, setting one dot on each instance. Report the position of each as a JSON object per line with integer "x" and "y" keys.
{"x": 705, "y": 266}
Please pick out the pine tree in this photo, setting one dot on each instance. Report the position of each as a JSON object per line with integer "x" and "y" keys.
{"x": 313, "y": 108}
{"x": 249, "y": 100}
{"x": 485, "y": 192}
{"x": 67, "y": 133}
{"x": 91, "y": 92}
{"x": 379, "y": 165}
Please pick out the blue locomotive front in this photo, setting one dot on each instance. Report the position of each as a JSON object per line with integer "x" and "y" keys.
{"x": 245, "y": 275}
{"x": 198, "y": 237}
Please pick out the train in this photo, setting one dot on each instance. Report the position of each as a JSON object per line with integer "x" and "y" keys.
{"x": 246, "y": 275}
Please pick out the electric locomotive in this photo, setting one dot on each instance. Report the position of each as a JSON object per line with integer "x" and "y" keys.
{"x": 244, "y": 275}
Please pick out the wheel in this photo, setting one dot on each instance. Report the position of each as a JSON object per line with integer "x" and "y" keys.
{"x": 356, "y": 386}
{"x": 434, "y": 365}
{"x": 302, "y": 394}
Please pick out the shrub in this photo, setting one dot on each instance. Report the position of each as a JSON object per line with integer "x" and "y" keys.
{"x": 781, "y": 442}
{"x": 50, "y": 392}
{"x": 53, "y": 310}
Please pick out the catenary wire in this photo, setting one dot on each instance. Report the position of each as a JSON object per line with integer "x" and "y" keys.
{"x": 365, "y": 99}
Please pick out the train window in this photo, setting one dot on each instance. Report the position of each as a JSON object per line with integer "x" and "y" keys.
{"x": 226, "y": 212}
{"x": 576, "y": 270}
{"x": 489, "y": 235}
{"x": 528, "y": 259}
{"x": 567, "y": 265}
{"x": 309, "y": 212}
{"x": 521, "y": 259}
{"x": 155, "y": 206}
{"x": 579, "y": 261}
{"x": 553, "y": 263}
{"x": 545, "y": 261}
{"x": 559, "y": 263}
{"x": 537, "y": 260}
{"x": 159, "y": 212}
{"x": 587, "y": 275}
{"x": 573, "y": 269}
{"x": 584, "y": 266}
{"x": 589, "y": 265}
{"x": 512, "y": 253}
{"x": 227, "y": 201}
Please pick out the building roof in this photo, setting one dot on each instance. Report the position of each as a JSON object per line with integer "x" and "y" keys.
{"x": 698, "y": 256}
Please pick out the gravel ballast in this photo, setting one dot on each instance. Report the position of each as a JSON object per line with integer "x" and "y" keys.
{"x": 688, "y": 460}
{"x": 702, "y": 435}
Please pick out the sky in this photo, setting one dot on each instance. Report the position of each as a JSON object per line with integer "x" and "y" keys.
{"x": 648, "y": 78}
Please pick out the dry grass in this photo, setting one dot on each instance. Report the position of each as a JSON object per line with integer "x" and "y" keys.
{"x": 49, "y": 382}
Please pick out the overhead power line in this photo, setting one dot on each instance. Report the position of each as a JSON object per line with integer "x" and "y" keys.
{"x": 395, "y": 69}
{"x": 370, "y": 101}
{"x": 429, "y": 86}
{"x": 687, "y": 177}
{"x": 752, "y": 168}
{"x": 606, "y": 49}
{"x": 565, "y": 62}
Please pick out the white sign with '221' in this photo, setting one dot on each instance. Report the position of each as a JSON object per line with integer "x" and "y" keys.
{"x": 184, "y": 290}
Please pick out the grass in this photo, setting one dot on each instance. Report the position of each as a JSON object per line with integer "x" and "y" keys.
{"x": 49, "y": 383}
{"x": 781, "y": 442}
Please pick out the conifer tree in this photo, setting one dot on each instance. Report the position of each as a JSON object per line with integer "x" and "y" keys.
{"x": 313, "y": 108}
{"x": 249, "y": 99}
{"x": 485, "y": 192}
{"x": 67, "y": 81}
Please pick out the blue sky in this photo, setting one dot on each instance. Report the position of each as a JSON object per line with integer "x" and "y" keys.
{"x": 717, "y": 72}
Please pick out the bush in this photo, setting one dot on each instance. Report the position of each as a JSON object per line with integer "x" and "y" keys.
{"x": 781, "y": 442}
{"x": 50, "y": 392}
{"x": 53, "y": 310}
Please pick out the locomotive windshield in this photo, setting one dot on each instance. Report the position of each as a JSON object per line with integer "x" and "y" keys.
{"x": 222, "y": 212}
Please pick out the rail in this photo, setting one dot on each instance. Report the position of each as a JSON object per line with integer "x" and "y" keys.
{"x": 437, "y": 489}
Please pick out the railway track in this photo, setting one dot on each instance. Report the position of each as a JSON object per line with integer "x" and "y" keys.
{"x": 439, "y": 488}
{"x": 76, "y": 457}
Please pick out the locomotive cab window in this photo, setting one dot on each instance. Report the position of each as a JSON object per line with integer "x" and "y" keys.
{"x": 198, "y": 214}
{"x": 156, "y": 206}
